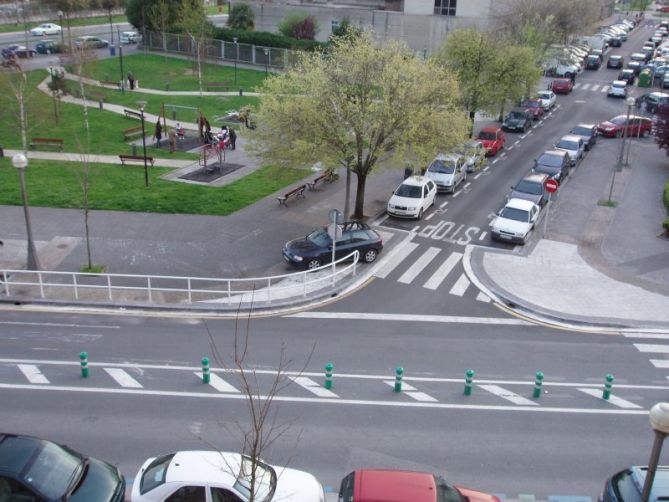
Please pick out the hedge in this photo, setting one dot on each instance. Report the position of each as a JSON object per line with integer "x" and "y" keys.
{"x": 267, "y": 39}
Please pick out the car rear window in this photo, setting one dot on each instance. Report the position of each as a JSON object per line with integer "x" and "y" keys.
{"x": 487, "y": 135}
{"x": 530, "y": 187}
{"x": 442, "y": 167}
{"x": 411, "y": 191}
{"x": 567, "y": 145}
{"x": 155, "y": 473}
{"x": 512, "y": 213}
{"x": 624, "y": 487}
{"x": 548, "y": 159}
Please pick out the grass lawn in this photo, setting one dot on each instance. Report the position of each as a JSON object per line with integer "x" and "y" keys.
{"x": 116, "y": 188}
{"x": 84, "y": 21}
{"x": 156, "y": 72}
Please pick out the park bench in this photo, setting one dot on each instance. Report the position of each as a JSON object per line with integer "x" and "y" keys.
{"x": 131, "y": 131}
{"x": 48, "y": 142}
{"x": 134, "y": 158}
{"x": 326, "y": 177}
{"x": 219, "y": 86}
{"x": 131, "y": 114}
{"x": 295, "y": 192}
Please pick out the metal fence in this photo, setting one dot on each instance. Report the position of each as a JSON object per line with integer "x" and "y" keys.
{"x": 219, "y": 50}
{"x": 155, "y": 290}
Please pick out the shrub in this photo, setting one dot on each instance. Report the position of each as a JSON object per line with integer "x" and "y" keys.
{"x": 346, "y": 29}
{"x": 266, "y": 39}
{"x": 299, "y": 25}
{"x": 241, "y": 17}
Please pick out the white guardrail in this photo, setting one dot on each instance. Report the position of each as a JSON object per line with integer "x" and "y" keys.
{"x": 74, "y": 287}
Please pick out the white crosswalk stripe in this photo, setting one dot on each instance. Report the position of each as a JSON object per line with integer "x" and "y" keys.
{"x": 218, "y": 383}
{"x": 446, "y": 267}
{"x": 508, "y": 395}
{"x": 123, "y": 378}
{"x": 595, "y": 87}
{"x": 418, "y": 266}
{"x": 585, "y": 87}
{"x": 604, "y": 88}
{"x": 412, "y": 392}
{"x": 308, "y": 384}
{"x": 396, "y": 259}
{"x": 33, "y": 373}
{"x": 614, "y": 400}
{"x": 460, "y": 286}
{"x": 576, "y": 85}
{"x": 647, "y": 347}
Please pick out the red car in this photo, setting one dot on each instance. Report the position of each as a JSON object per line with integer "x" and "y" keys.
{"x": 493, "y": 139}
{"x": 372, "y": 485}
{"x": 534, "y": 106}
{"x": 619, "y": 126}
{"x": 562, "y": 86}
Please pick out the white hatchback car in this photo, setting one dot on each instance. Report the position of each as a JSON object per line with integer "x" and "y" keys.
{"x": 447, "y": 171}
{"x": 515, "y": 221}
{"x": 220, "y": 477}
{"x": 573, "y": 145}
{"x": 617, "y": 89}
{"x": 46, "y": 29}
{"x": 547, "y": 98}
{"x": 413, "y": 197}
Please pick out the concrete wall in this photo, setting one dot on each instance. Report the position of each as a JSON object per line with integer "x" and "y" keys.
{"x": 424, "y": 7}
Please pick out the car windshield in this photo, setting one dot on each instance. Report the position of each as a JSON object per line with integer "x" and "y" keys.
{"x": 625, "y": 488}
{"x": 582, "y": 131}
{"x": 512, "y": 213}
{"x": 593, "y": 58}
{"x": 265, "y": 480}
{"x": 531, "y": 103}
{"x": 567, "y": 145}
{"x": 544, "y": 169}
{"x": 53, "y": 471}
{"x": 154, "y": 475}
{"x": 440, "y": 166}
{"x": 615, "y": 58}
{"x": 545, "y": 95}
{"x": 530, "y": 187}
{"x": 320, "y": 238}
{"x": 619, "y": 85}
{"x": 446, "y": 492}
{"x": 548, "y": 159}
{"x": 619, "y": 120}
{"x": 411, "y": 191}
{"x": 487, "y": 135}
{"x": 516, "y": 115}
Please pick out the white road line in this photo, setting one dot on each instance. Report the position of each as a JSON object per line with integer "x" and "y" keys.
{"x": 317, "y": 400}
{"x": 516, "y": 142}
{"x": 646, "y": 347}
{"x": 467, "y": 185}
{"x": 429, "y": 216}
{"x": 585, "y": 87}
{"x": 411, "y": 391}
{"x": 457, "y": 193}
{"x": 482, "y": 236}
{"x": 508, "y": 395}
{"x": 218, "y": 383}
{"x": 493, "y": 162}
{"x": 595, "y": 87}
{"x": 417, "y": 267}
{"x": 604, "y": 88}
{"x": 415, "y": 229}
{"x": 478, "y": 176}
{"x": 509, "y": 148}
{"x": 58, "y": 325}
{"x": 33, "y": 373}
{"x": 438, "y": 277}
{"x": 502, "y": 155}
{"x": 460, "y": 286}
{"x": 660, "y": 363}
{"x": 614, "y": 400}
{"x": 363, "y": 316}
{"x": 313, "y": 387}
{"x": 488, "y": 167}
{"x": 659, "y": 336}
{"x": 482, "y": 298}
{"x": 123, "y": 378}
{"x": 443, "y": 205}
{"x": 522, "y": 136}
{"x": 576, "y": 86}
{"x": 401, "y": 253}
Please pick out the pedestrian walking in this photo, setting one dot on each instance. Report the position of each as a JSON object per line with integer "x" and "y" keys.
{"x": 172, "y": 137}
{"x": 158, "y": 133}
{"x": 131, "y": 80}
{"x": 233, "y": 138}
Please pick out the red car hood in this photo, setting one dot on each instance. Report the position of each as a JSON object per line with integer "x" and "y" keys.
{"x": 606, "y": 125}
{"x": 475, "y": 496}
{"x": 487, "y": 143}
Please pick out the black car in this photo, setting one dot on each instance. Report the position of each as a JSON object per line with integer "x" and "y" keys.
{"x": 593, "y": 62}
{"x": 518, "y": 120}
{"x": 554, "y": 163}
{"x": 615, "y": 61}
{"x": 315, "y": 249}
{"x": 588, "y": 132}
{"x": 37, "y": 469}
{"x": 20, "y": 51}
{"x": 48, "y": 47}
{"x": 651, "y": 100}
{"x": 627, "y": 485}
{"x": 628, "y": 75}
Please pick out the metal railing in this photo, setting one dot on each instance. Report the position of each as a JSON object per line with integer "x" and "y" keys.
{"x": 156, "y": 290}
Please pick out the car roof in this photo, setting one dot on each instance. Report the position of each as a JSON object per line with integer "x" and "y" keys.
{"x": 491, "y": 129}
{"x": 373, "y": 485}
{"x": 589, "y": 126}
{"x": 615, "y": 56}
{"x": 658, "y": 94}
{"x": 535, "y": 177}
{"x": 203, "y": 466}
{"x": 11, "y": 461}
{"x": 523, "y": 204}
{"x": 571, "y": 137}
{"x": 660, "y": 483}
{"x": 619, "y": 83}
{"x": 560, "y": 153}
{"x": 448, "y": 156}
{"x": 416, "y": 180}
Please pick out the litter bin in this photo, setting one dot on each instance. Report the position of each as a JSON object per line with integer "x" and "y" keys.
{"x": 112, "y": 50}
{"x": 645, "y": 78}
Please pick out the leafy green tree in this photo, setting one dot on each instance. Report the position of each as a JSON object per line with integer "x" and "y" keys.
{"x": 362, "y": 104}
{"x": 142, "y": 13}
{"x": 109, "y": 6}
{"x": 346, "y": 29}
{"x": 241, "y": 17}
{"x": 299, "y": 25}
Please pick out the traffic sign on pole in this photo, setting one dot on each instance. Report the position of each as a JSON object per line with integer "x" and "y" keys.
{"x": 551, "y": 185}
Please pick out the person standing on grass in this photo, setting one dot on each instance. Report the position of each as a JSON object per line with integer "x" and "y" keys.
{"x": 131, "y": 81}
{"x": 158, "y": 133}
{"x": 233, "y": 138}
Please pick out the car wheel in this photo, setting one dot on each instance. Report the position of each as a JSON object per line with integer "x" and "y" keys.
{"x": 369, "y": 256}
{"x": 420, "y": 214}
{"x": 645, "y": 134}
{"x": 313, "y": 263}
{"x": 619, "y": 134}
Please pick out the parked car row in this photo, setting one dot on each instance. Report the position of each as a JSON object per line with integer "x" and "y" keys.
{"x": 49, "y": 46}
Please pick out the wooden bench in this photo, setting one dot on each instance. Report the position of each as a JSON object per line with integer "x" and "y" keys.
{"x": 295, "y": 192}
{"x": 325, "y": 178}
{"x": 49, "y": 142}
{"x": 131, "y": 114}
{"x": 134, "y": 158}
{"x": 219, "y": 86}
{"x": 131, "y": 131}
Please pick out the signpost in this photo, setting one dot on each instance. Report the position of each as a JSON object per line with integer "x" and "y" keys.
{"x": 551, "y": 186}
{"x": 334, "y": 231}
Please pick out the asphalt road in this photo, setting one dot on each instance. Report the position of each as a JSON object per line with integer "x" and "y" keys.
{"x": 500, "y": 439}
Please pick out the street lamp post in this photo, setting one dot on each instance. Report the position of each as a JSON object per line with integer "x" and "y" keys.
{"x": 62, "y": 34}
{"x": 120, "y": 57}
{"x": 20, "y": 162}
{"x": 659, "y": 421}
{"x": 266, "y": 61}
{"x": 619, "y": 164}
{"x": 141, "y": 105}
{"x": 234, "y": 41}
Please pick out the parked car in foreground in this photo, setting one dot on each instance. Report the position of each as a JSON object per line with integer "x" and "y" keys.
{"x": 515, "y": 221}
{"x": 534, "y": 106}
{"x": 315, "y": 249}
{"x": 617, "y": 89}
{"x": 554, "y": 163}
{"x": 615, "y": 61}
{"x": 532, "y": 188}
{"x": 573, "y": 145}
{"x": 220, "y": 477}
{"x": 34, "y": 469}
{"x": 627, "y": 485}
{"x": 447, "y": 171}
{"x": 588, "y": 132}
{"x": 547, "y": 98}
{"x": 46, "y": 29}
{"x": 19, "y": 51}
{"x": 562, "y": 85}
{"x": 518, "y": 120}
{"x": 48, "y": 47}
{"x": 474, "y": 154}
{"x": 619, "y": 126}
{"x": 651, "y": 100}
{"x": 89, "y": 42}
{"x": 366, "y": 485}
{"x": 412, "y": 198}
{"x": 493, "y": 139}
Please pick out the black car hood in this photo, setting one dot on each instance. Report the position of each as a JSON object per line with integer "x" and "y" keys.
{"x": 102, "y": 482}
{"x": 301, "y": 245}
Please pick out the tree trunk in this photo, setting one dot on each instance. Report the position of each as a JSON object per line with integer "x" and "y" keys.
{"x": 472, "y": 116}
{"x": 359, "y": 211}
{"x": 501, "y": 113}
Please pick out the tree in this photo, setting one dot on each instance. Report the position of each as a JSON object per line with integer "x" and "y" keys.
{"x": 139, "y": 14}
{"x": 68, "y": 7}
{"x": 471, "y": 56}
{"x": 358, "y": 105}
{"x": 241, "y": 17}
{"x": 346, "y": 29}
{"x": 299, "y": 25}
{"x": 193, "y": 21}
{"x": 109, "y": 6}
{"x": 159, "y": 14}
{"x": 662, "y": 127}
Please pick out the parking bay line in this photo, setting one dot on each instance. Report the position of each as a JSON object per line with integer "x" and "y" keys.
{"x": 646, "y": 347}
{"x": 33, "y": 373}
{"x": 613, "y": 399}
{"x": 443, "y": 205}
{"x": 123, "y": 378}
{"x": 218, "y": 383}
{"x": 508, "y": 395}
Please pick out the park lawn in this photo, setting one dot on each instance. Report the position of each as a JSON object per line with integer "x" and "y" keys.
{"x": 105, "y": 127}
{"x": 157, "y": 72}
{"x": 211, "y": 106}
{"x": 117, "y": 188}
{"x": 83, "y": 21}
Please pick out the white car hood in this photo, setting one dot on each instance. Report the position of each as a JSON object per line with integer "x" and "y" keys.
{"x": 396, "y": 200}
{"x": 572, "y": 153}
{"x": 442, "y": 178}
{"x": 513, "y": 226}
{"x": 297, "y": 486}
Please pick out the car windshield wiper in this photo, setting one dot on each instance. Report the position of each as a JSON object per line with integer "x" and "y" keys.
{"x": 77, "y": 478}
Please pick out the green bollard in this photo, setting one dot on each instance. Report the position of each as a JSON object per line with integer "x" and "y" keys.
{"x": 83, "y": 357}
{"x": 206, "y": 377}
{"x": 608, "y": 385}
{"x": 469, "y": 377}
{"x": 538, "y": 382}
{"x": 328, "y": 375}
{"x": 399, "y": 371}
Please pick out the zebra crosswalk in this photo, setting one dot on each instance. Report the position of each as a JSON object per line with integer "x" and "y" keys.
{"x": 658, "y": 352}
{"x": 585, "y": 86}
{"x": 431, "y": 267}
